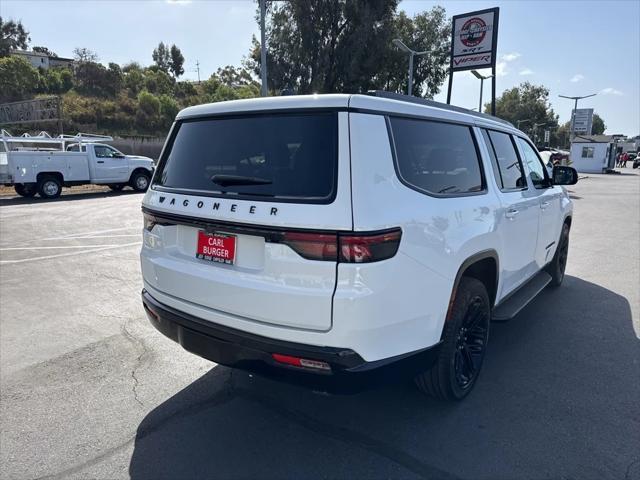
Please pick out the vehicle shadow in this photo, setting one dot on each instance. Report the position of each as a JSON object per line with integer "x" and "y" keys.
{"x": 66, "y": 196}
{"x": 557, "y": 398}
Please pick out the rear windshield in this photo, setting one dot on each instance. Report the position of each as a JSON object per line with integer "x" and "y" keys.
{"x": 287, "y": 156}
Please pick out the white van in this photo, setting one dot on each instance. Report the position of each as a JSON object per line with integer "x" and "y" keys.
{"x": 344, "y": 240}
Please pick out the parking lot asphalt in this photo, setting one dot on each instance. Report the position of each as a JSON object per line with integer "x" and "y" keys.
{"x": 90, "y": 390}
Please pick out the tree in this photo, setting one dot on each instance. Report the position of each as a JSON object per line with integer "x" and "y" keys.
{"x": 94, "y": 79}
{"x": 346, "y": 46}
{"x": 177, "y": 61}
{"x": 162, "y": 57}
{"x": 531, "y": 103}
{"x": 18, "y": 79}
{"x": 84, "y": 55}
{"x": 13, "y": 36}
{"x": 158, "y": 82}
{"x": 169, "y": 108}
{"x": 44, "y": 51}
{"x": 428, "y": 31}
{"x": 234, "y": 76}
{"x": 599, "y": 126}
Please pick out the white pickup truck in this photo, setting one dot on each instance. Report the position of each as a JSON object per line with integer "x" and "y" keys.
{"x": 32, "y": 165}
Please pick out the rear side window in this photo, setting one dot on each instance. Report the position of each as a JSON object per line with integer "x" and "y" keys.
{"x": 437, "y": 158}
{"x": 284, "y": 156}
{"x": 503, "y": 154}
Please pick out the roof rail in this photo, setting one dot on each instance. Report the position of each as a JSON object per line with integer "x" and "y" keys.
{"x": 432, "y": 103}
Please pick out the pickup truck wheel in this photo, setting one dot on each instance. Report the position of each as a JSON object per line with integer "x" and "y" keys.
{"x": 140, "y": 181}
{"x": 466, "y": 333}
{"x": 49, "y": 187}
{"x": 117, "y": 187}
{"x": 559, "y": 263}
{"x": 25, "y": 190}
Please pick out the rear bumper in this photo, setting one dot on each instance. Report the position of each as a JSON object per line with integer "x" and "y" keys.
{"x": 234, "y": 348}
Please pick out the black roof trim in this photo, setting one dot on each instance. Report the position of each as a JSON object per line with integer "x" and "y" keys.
{"x": 431, "y": 103}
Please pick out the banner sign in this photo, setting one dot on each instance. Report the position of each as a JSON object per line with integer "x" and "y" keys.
{"x": 31, "y": 111}
{"x": 582, "y": 121}
{"x": 474, "y": 40}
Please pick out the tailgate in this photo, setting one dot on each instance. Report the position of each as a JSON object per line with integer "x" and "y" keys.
{"x": 255, "y": 251}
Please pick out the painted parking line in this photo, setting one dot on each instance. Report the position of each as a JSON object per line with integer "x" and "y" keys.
{"x": 83, "y": 252}
{"x": 61, "y": 246}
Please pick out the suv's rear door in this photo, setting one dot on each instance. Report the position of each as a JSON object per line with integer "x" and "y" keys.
{"x": 274, "y": 188}
{"x": 517, "y": 220}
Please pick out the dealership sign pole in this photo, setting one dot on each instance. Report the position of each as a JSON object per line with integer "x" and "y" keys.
{"x": 474, "y": 41}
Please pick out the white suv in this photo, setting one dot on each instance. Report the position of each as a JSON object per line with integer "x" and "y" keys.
{"x": 339, "y": 240}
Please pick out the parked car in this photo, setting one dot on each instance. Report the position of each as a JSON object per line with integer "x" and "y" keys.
{"x": 344, "y": 240}
{"x": 45, "y": 166}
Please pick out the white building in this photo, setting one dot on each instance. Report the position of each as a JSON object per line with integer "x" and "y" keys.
{"x": 593, "y": 153}
{"x": 42, "y": 60}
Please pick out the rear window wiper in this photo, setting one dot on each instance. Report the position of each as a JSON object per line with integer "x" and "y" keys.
{"x": 226, "y": 180}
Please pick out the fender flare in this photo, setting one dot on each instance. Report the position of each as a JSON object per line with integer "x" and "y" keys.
{"x": 482, "y": 255}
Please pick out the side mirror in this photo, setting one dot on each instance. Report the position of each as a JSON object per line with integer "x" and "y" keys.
{"x": 564, "y": 175}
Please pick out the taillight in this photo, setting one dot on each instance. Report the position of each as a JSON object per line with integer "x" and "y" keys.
{"x": 369, "y": 247}
{"x": 149, "y": 221}
{"x": 313, "y": 246}
{"x": 362, "y": 247}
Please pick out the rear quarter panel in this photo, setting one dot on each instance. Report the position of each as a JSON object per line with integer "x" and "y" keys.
{"x": 406, "y": 297}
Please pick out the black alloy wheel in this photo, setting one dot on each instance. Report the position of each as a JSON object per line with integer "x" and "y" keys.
{"x": 464, "y": 344}
{"x": 471, "y": 343}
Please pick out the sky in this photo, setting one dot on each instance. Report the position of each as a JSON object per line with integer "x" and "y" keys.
{"x": 572, "y": 47}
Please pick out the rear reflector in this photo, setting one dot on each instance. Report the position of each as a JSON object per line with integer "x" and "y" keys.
{"x": 301, "y": 362}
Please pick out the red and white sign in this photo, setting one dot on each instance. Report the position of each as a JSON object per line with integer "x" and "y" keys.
{"x": 216, "y": 247}
{"x": 474, "y": 40}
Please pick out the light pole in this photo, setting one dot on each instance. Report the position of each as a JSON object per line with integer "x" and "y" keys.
{"x": 482, "y": 79}
{"x": 400, "y": 44}
{"x": 575, "y": 107}
{"x": 518, "y": 122}
{"x": 263, "y": 49}
{"x": 535, "y": 131}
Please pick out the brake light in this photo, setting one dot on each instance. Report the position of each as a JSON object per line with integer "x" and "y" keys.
{"x": 313, "y": 246}
{"x": 347, "y": 248}
{"x": 149, "y": 221}
{"x": 365, "y": 248}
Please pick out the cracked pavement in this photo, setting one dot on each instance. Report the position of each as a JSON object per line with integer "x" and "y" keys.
{"x": 88, "y": 389}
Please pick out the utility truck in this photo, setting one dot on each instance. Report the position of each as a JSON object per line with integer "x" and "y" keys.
{"x": 42, "y": 164}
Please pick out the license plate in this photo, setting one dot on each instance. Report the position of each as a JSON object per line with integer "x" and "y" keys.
{"x": 216, "y": 247}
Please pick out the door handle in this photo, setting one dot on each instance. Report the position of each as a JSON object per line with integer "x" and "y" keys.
{"x": 544, "y": 205}
{"x": 511, "y": 213}
{"x": 100, "y": 161}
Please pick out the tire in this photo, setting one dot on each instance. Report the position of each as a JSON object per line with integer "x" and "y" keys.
{"x": 26, "y": 190}
{"x": 465, "y": 337}
{"x": 559, "y": 263}
{"x": 116, "y": 187}
{"x": 140, "y": 181}
{"x": 49, "y": 187}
